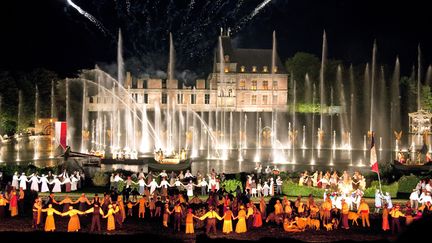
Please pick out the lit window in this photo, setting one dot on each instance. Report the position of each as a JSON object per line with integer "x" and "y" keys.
{"x": 264, "y": 99}
{"x": 226, "y": 69}
{"x": 242, "y": 69}
{"x": 164, "y": 98}
{"x": 265, "y": 85}
{"x": 254, "y": 99}
{"x": 275, "y": 98}
{"x": 242, "y": 84}
{"x": 254, "y": 85}
{"x": 265, "y": 69}
{"x": 180, "y": 98}
{"x": 207, "y": 99}
{"x": 254, "y": 69}
{"x": 227, "y": 59}
{"x": 275, "y": 85}
{"x": 275, "y": 69}
{"x": 193, "y": 99}
{"x": 145, "y": 98}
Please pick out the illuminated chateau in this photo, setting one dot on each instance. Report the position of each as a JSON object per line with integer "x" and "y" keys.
{"x": 247, "y": 84}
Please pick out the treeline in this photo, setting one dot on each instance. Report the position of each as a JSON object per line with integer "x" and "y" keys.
{"x": 10, "y": 84}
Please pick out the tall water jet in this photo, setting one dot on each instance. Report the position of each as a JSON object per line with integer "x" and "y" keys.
{"x": 331, "y": 105}
{"x": 322, "y": 81}
{"x": 364, "y": 143}
{"x": 258, "y": 142}
{"x": 366, "y": 96}
{"x": 273, "y": 115}
{"x": 384, "y": 108}
{"x": 293, "y": 134}
{"x": 231, "y": 130}
{"x": 372, "y": 85}
{"x": 352, "y": 112}
{"x": 334, "y": 140}
{"x": 344, "y": 129}
{"x": 145, "y": 144}
{"x": 304, "y": 138}
{"x": 313, "y": 125}
{"x": 84, "y": 121}
{"x": 171, "y": 64}
{"x": 67, "y": 112}
{"x": 221, "y": 119}
{"x": 120, "y": 62}
{"x": 353, "y": 109}
{"x": 157, "y": 123}
{"x": 195, "y": 138}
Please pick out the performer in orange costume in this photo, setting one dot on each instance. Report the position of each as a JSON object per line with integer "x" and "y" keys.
{"x": 74, "y": 223}
{"x": 49, "y": 221}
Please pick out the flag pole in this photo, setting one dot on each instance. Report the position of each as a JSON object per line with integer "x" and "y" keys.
{"x": 379, "y": 182}
{"x": 375, "y": 159}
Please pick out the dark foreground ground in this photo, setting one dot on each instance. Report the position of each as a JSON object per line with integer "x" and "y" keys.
{"x": 150, "y": 230}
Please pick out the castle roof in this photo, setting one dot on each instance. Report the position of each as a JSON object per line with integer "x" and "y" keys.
{"x": 250, "y": 57}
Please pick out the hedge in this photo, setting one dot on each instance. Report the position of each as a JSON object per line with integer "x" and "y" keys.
{"x": 122, "y": 184}
{"x": 9, "y": 170}
{"x": 291, "y": 188}
{"x": 100, "y": 179}
{"x": 392, "y": 189}
{"x": 231, "y": 185}
{"x": 408, "y": 183}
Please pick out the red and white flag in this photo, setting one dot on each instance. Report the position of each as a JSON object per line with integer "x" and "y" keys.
{"x": 61, "y": 134}
{"x": 373, "y": 156}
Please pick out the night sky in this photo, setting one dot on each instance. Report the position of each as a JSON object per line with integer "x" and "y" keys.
{"x": 52, "y": 34}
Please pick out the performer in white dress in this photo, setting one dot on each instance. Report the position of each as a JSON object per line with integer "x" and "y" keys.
{"x": 34, "y": 186}
{"x": 190, "y": 189}
{"x": 23, "y": 181}
{"x": 153, "y": 184}
{"x": 44, "y": 186}
{"x": 74, "y": 183}
{"x": 141, "y": 185}
{"x": 15, "y": 180}
{"x": 57, "y": 184}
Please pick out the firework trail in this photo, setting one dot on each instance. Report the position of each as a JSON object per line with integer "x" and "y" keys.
{"x": 248, "y": 18}
{"x": 189, "y": 10}
{"x": 262, "y": 5}
{"x": 195, "y": 26}
{"x": 128, "y": 5}
{"x": 89, "y": 16}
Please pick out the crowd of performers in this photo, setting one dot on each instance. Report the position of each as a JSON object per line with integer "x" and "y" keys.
{"x": 47, "y": 183}
{"x": 166, "y": 201}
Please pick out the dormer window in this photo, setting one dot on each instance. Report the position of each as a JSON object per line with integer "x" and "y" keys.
{"x": 226, "y": 69}
{"x": 254, "y": 69}
{"x": 226, "y": 58}
{"x": 242, "y": 69}
{"x": 265, "y": 69}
